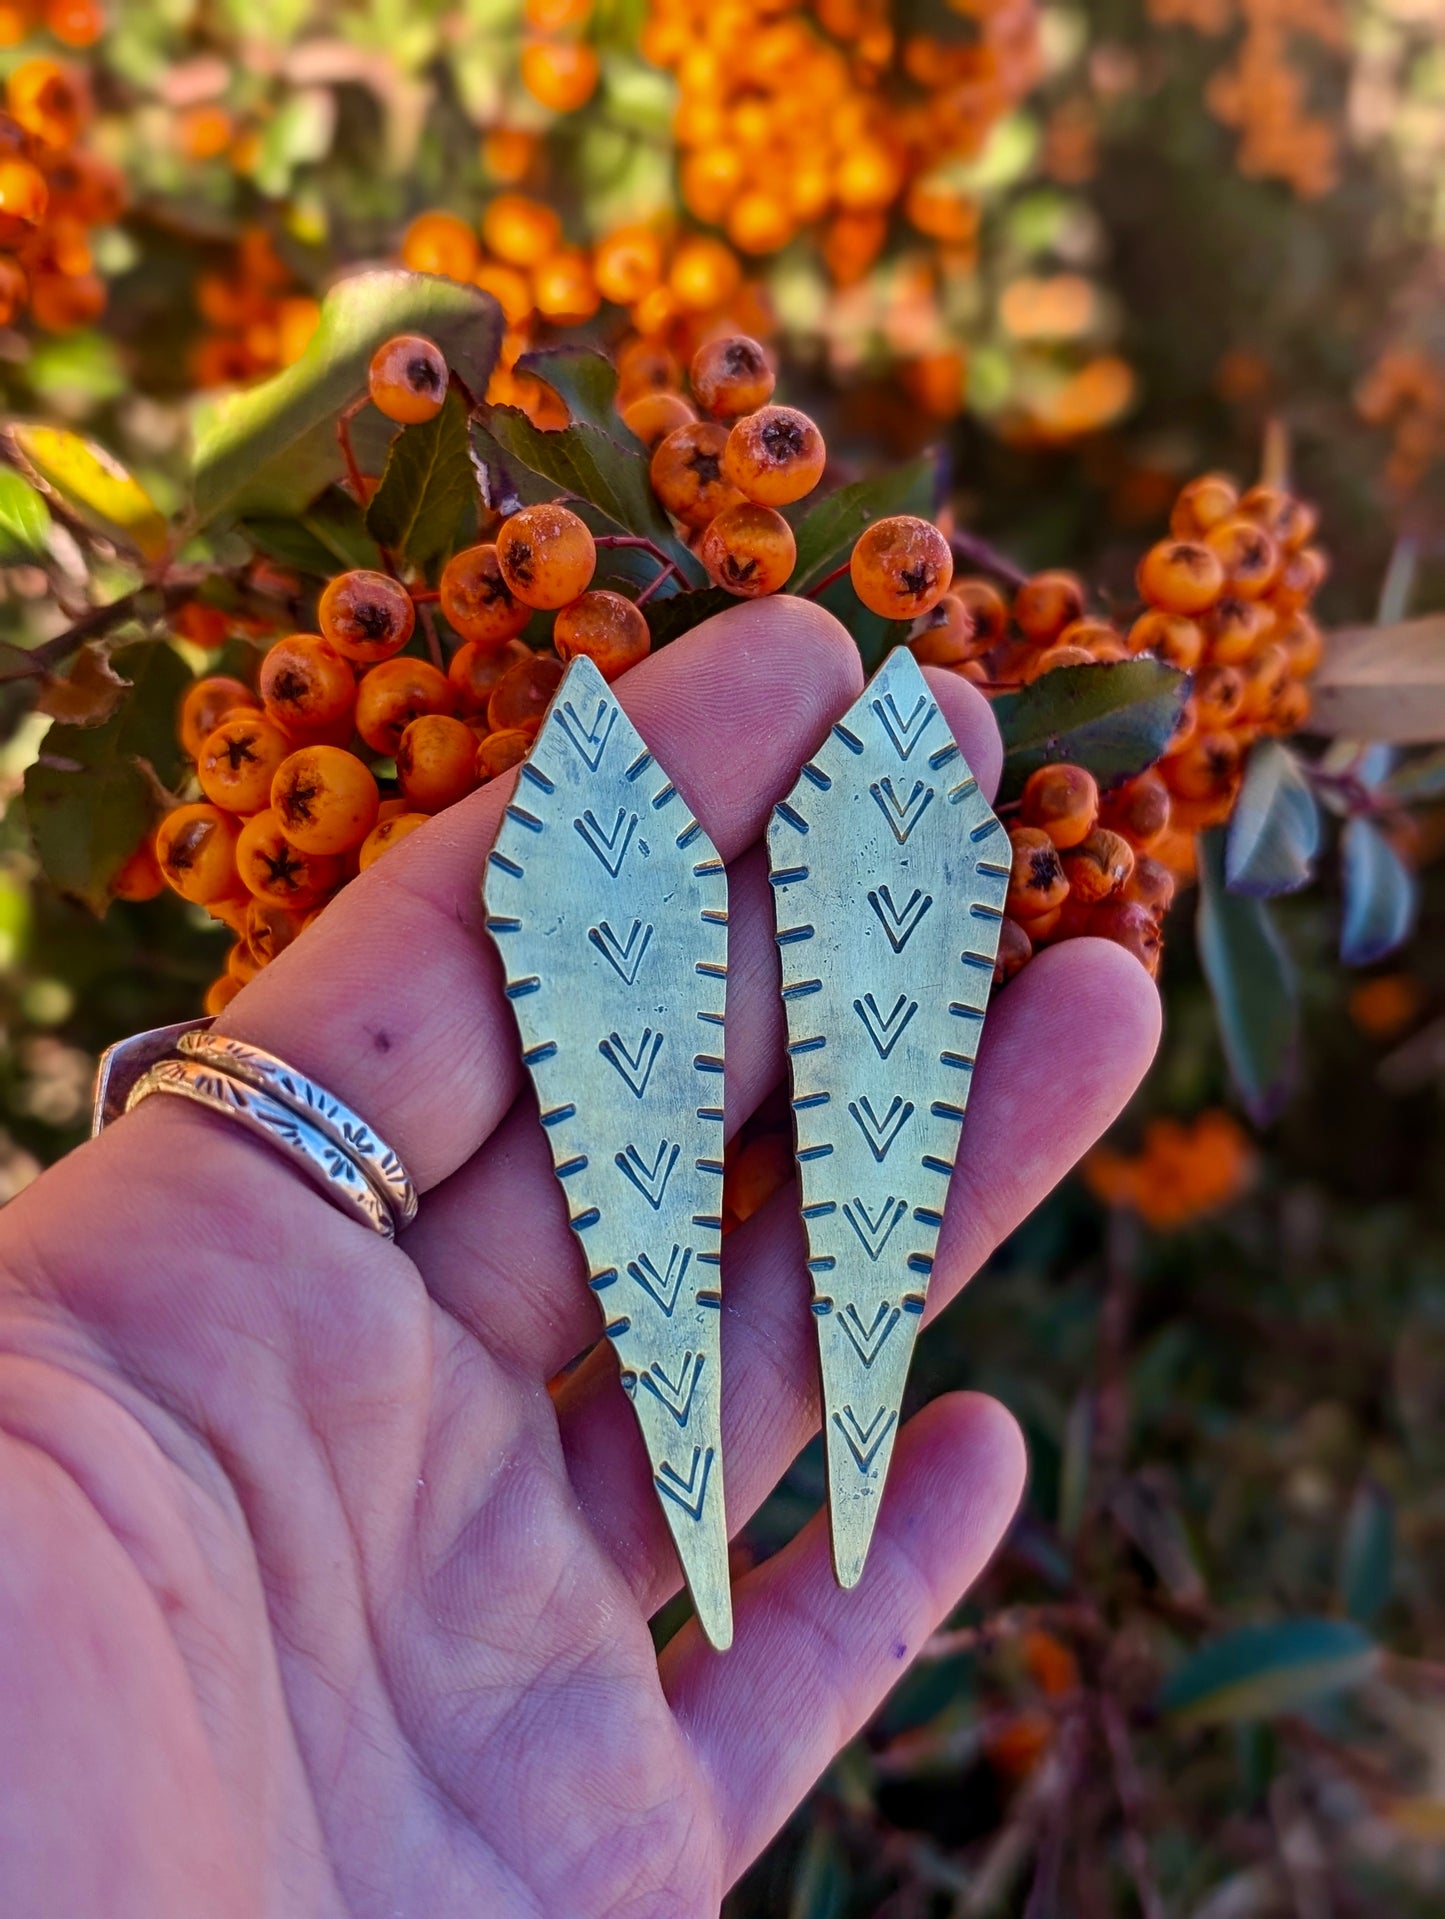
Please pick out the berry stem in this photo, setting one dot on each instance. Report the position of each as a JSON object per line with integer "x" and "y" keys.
{"x": 429, "y": 628}
{"x": 348, "y": 452}
{"x": 979, "y": 554}
{"x": 827, "y": 580}
{"x": 669, "y": 572}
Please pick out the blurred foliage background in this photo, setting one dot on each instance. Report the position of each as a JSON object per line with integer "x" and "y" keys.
{"x": 1125, "y": 244}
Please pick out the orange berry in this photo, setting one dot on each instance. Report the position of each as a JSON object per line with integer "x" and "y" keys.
{"x": 1291, "y": 710}
{"x": 1248, "y": 556}
{"x": 1098, "y": 638}
{"x": 508, "y": 152}
{"x": 60, "y": 302}
{"x": 1037, "y": 883}
{"x": 521, "y": 231}
{"x": 627, "y": 264}
{"x": 900, "y": 566}
{"x": 1287, "y": 521}
{"x": 652, "y": 416}
{"x": 1041, "y": 927}
{"x": 13, "y": 287}
{"x": 1015, "y": 950}
{"x": 704, "y": 274}
{"x": 776, "y": 455}
{"x": 1218, "y": 696}
{"x": 1098, "y": 866}
{"x": 140, "y": 877}
{"x": 306, "y": 686}
{"x": 75, "y": 23}
{"x": 1150, "y": 885}
{"x": 547, "y": 555}
{"x": 1265, "y": 679}
{"x": 206, "y": 703}
{"x": 1046, "y": 604}
{"x": 273, "y": 869}
{"x": 1234, "y": 628}
{"x": 477, "y": 602}
{"x": 988, "y": 609}
{"x": 1203, "y": 504}
{"x": 325, "y": 799}
{"x": 731, "y": 376}
{"x": 242, "y": 964}
{"x": 502, "y": 750}
{"x": 1063, "y": 800}
{"x": 441, "y": 243}
{"x": 386, "y": 834}
{"x": 749, "y": 550}
{"x": 1182, "y": 576}
{"x": 560, "y": 74}
{"x": 436, "y": 762}
{"x": 367, "y": 616}
{"x": 946, "y": 635}
{"x": 645, "y": 366}
{"x": 196, "y": 852}
{"x": 1301, "y": 575}
{"x": 238, "y": 761}
{"x": 1207, "y": 768}
{"x": 687, "y": 473}
{"x": 475, "y": 669}
{"x": 1052, "y": 658}
{"x": 1171, "y": 637}
{"x": 270, "y": 928}
{"x": 23, "y": 200}
{"x": 49, "y": 100}
{"x": 1134, "y": 927}
{"x": 394, "y": 694}
{"x": 219, "y": 995}
{"x": 1139, "y": 809}
{"x": 609, "y": 629}
{"x": 407, "y": 379}
{"x": 523, "y": 694}
{"x": 1303, "y": 644}
{"x": 564, "y": 289}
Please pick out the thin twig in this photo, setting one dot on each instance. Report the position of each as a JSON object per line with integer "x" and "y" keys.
{"x": 977, "y": 553}
{"x": 827, "y": 580}
{"x": 1130, "y": 1790}
{"x": 669, "y": 572}
{"x": 433, "y": 644}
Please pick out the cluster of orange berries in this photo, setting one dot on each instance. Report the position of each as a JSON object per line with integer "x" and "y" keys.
{"x": 559, "y": 66}
{"x": 1404, "y": 392}
{"x": 1183, "y": 1170}
{"x": 256, "y": 321}
{"x": 834, "y": 117}
{"x": 74, "y": 23}
{"x": 53, "y": 190}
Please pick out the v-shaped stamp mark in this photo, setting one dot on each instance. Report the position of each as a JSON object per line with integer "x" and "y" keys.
{"x": 864, "y": 1442}
{"x": 881, "y": 1133}
{"x": 676, "y": 1394}
{"x": 869, "y": 1341}
{"x": 663, "y": 1287}
{"x": 905, "y": 734}
{"x": 634, "y": 1063}
{"x": 691, "y": 1492}
{"x": 885, "y": 1033}
{"x": 623, "y": 956}
{"x": 610, "y": 848}
{"x": 590, "y": 741}
{"x": 650, "y": 1181}
{"x": 900, "y": 923}
{"x": 874, "y": 1233}
{"x": 901, "y": 814}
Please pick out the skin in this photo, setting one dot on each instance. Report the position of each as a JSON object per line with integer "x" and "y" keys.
{"x": 315, "y": 1599}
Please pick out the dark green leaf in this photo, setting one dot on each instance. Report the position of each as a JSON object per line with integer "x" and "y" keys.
{"x": 1381, "y": 895}
{"x": 24, "y": 520}
{"x": 1367, "y": 1559}
{"x": 1274, "y": 831}
{"x": 827, "y": 531}
{"x": 88, "y": 795}
{"x": 1422, "y": 778}
{"x": 426, "y": 487}
{"x": 330, "y": 533}
{"x": 1255, "y": 996}
{"x": 1260, "y": 1671}
{"x": 585, "y": 378}
{"x": 820, "y": 1887}
{"x": 1114, "y": 719}
{"x": 271, "y": 449}
{"x": 668, "y": 619}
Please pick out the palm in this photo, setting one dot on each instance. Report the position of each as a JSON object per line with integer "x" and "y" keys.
{"x": 323, "y": 1601}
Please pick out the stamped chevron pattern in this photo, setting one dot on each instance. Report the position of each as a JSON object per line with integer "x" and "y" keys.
{"x": 888, "y": 888}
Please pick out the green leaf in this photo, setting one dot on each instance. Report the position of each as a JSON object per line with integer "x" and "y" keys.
{"x": 827, "y": 531}
{"x": 1367, "y": 1557}
{"x": 88, "y": 794}
{"x": 669, "y": 619}
{"x": 1274, "y": 831}
{"x": 24, "y": 520}
{"x": 1258, "y": 1672}
{"x": 330, "y": 533}
{"x": 1381, "y": 895}
{"x": 820, "y": 1885}
{"x": 1115, "y": 719}
{"x": 585, "y": 378}
{"x": 1255, "y": 996}
{"x": 271, "y": 449}
{"x": 428, "y": 484}
{"x": 94, "y": 486}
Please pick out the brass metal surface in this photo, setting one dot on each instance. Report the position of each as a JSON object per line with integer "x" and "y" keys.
{"x": 608, "y": 905}
{"x": 889, "y": 872}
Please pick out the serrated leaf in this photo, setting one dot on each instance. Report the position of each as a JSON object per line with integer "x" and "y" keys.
{"x": 94, "y": 486}
{"x": 1274, "y": 831}
{"x": 1381, "y": 895}
{"x": 1383, "y": 682}
{"x": 330, "y": 533}
{"x": 585, "y": 378}
{"x": 24, "y": 520}
{"x": 1115, "y": 719}
{"x": 1250, "y": 977}
{"x": 88, "y": 794}
{"x": 827, "y": 531}
{"x": 271, "y": 449}
{"x": 428, "y": 483}
{"x": 1367, "y": 1557}
{"x": 1258, "y": 1672}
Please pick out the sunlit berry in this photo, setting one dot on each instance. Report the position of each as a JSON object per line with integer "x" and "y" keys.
{"x": 1182, "y": 576}
{"x": 23, "y": 200}
{"x": 1287, "y": 521}
{"x": 609, "y": 629}
{"x": 206, "y": 703}
{"x": 273, "y": 869}
{"x": 1063, "y": 800}
{"x": 1208, "y": 767}
{"x": 305, "y": 684}
{"x": 627, "y": 264}
{"x": 1202, "y": 504}
{"x": 436, "y": 762}
{"x": 1150, "y": 885}
{"x": 1171, "y": 637}
{"x": 1303, "y": 644}
{"x": 946, "y": 635}
{"x": 523, "y": 694}
{"x": 1235, "y": 628}
{"x": 475, "y": 668}
{"x": 367, "y": 616}
{"x": 477, "y": 602}
{"x": 238, "y": 761}
{"x": 774, "y": 456}
{"x": 325, "y": 799}
{"x": 1248, "y": 556}
{"x": 49, "y": 100}
{"x": 407, "y": 379}
{"x": 987, "y": 608}
{"x": 1098, "y": 866}
{"x": 1301, "y": 575}
{"x": 900, "y": 566}
{"x": 1139, "y": 809}
{"x": 521, "y": 231}
{"x": 564, "y": 289}
{"x": 704, "y": 274}
{"x": 1037, "y": 883}
{"x": 1133, "y": 926}
{"x": 749, "y": 550}
{"x": 394, "y": 694}
{"x": 1265, "y": 679}
{"x": 1291, "y": 709}
{"x": 1044, "y": 605}
{"x": 1015, "y": 950}
{"x": 502, "y": 750}
{"x": 386, "y": 834}
{"x": 140, "y": 876}
{"x": 560, "y": 74}
{"x": 731, "y": 376}
{"x": 1218, "y": 697}
{"x": 645, "y": 366}
{"x": 441, "y": 243}
{"x": 270, "y": 928}
{"x": 652, "y": 416}
{"x": 196, "y": 852}
{"x": 687, "y": 473}
{"x": 1052, "y": 658}
{"x": 546, "y": 554}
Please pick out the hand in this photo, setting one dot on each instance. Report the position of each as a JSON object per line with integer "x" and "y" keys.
{"x": 314, "y": 1599}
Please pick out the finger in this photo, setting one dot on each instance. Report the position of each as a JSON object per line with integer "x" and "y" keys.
{"x": 1063, "y": 1049}
{"x": 494, "y": 1241}
{"x": 809, "y": 1663}
{"x": 393, "y": 1000}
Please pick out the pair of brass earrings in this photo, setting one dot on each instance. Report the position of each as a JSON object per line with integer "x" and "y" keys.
{"x": 609, "y": 907}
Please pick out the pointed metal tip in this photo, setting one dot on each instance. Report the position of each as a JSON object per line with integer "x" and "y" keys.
{"x": 717, "y": 1630}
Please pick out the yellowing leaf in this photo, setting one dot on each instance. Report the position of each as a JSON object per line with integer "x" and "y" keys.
{"x": 95, "y": 487}
{"x": 88, "y": 694}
